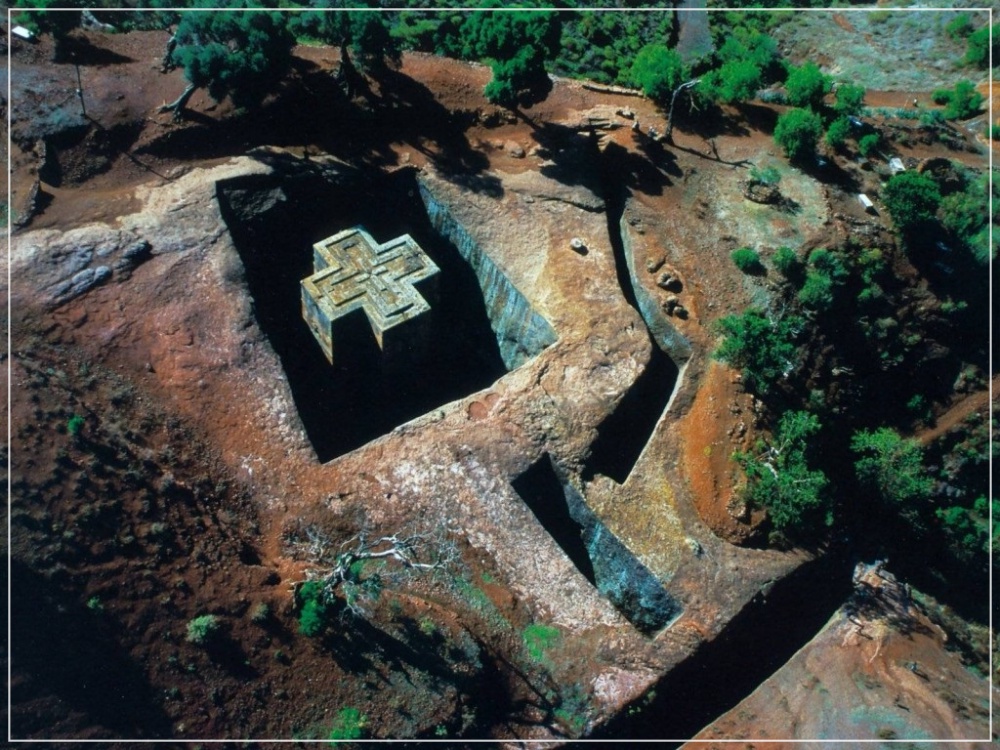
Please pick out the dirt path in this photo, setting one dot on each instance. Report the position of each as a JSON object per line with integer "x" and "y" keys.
{"x": 956, "y": 414}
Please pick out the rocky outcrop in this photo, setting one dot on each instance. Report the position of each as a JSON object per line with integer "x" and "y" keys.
{"x": 878, "y": 670}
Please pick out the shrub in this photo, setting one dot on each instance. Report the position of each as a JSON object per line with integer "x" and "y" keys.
{"x": 787, "y": 262}
{"x": 765, "y": 175}
{"x": 747, "y": 260}
{"x": 838, "y": 131}
{"x": 779, "y": 477}
{"x": 74, "y": 426}
{"x": 959, "y": 27}
{"x": 807, "y": 85}
{"x": 868, "y": 144}
{"x": 260, "y": 614}
{"x": 961, "y": 102}
{"x": 763, "y": 349}
{"x": 203, "y": 629}
{"x": 314, "y": 608}
{"x": 797, "y": 132}
{"x": 539, "y": 638}
{"x": 912, "y": 198}
{"x": 349, "y": 724}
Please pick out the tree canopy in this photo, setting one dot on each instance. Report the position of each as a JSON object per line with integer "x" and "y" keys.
{"x": 657, "y": 70}
{"x": 797, "y": 132}
{"x": 849, "y": 99}
{"x": 912, "y": 198}
{"x": 807, "y": 85}
{"x": 892, "y": 466}
{"x": 762, "y": 348}
{"x": 365, "y": 33}
{"x": 240, "y": 55}
{"x": 516, "y": 44}
{"x": 780, "y": 479}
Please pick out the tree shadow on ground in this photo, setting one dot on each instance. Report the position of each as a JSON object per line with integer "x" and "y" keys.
{"x": 79, "y": 50}
{"x": 406, "y": 111}
{"x": 649, "y": 174}
{"x": 60, "y": 647}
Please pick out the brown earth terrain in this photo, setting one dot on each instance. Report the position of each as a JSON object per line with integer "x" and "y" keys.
{"x": 188, "y": 489}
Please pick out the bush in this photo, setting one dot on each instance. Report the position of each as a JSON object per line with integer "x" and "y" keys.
{"x": 787, "y": 262}
{"x": 747, "y": 260}
{"x": 912, "y": 198}
{"x": 349, "y": 724}
{"x": 961, "y": 102}
{"x": 657, "y": 70}
{"x": 838, "y": 132}
{"x": 959, "y": 27}
{"x": 797, "y": 132}
{"x": 203, "y": 629}
{"x": 763, "y": 349}
{"x": 779, "y": 477}
{"x": 868, "y": 144}
{"x": 75, "y": 424}
{"x": 765, "y": 175}
{"x": 806, "y": 86}
{"x": 314, "y": 609}
{"x": 850, "y": 99}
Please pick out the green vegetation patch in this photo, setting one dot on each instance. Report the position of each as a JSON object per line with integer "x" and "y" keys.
{"x": 539, "y": 639}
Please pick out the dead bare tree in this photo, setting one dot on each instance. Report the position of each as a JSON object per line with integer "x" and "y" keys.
{"x": 668, "y": 136}
{"x": 340, "y": 568}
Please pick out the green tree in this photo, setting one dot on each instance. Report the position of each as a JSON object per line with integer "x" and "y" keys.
{"x": 912, "y": 198}
{"x": 807, "y": 85}
{"x": 780, "y": 479}
{"x": 978, "y": 50}
{"x": 359, "y": 33}
{"x": 239, "y": 55}
{"x": 38, "y": 17}
{"x": 893, "y": 467}
{"x": 657, "y": 70}
{"x": 961, "y": 102}
{"x": 747, "y": 260}
{"x": 516, "y": 44}
{"x": 762, "y": 348}
{"x": 965, "y": 214}
{"x": 849, "y": 99}
{"x": 787, "y": 262}
{"x": 736, "y": 81}
{"x": 838, "y": 131}
{"x": 869, "y": 143}
{"x": 748, "y": 59}
{"x": 797, "y": 132}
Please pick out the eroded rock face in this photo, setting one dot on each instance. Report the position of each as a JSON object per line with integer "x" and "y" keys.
{"x": 879, "y": 669}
